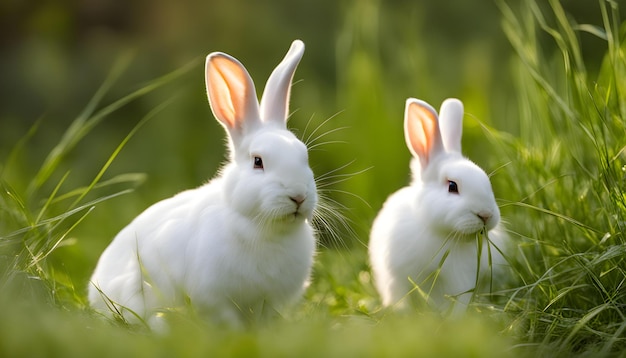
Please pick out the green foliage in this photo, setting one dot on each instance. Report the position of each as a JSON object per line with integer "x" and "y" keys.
{"x": 34, "y": 223}
{"x": 322, "y": 326}
{"x": 568, "y": 166}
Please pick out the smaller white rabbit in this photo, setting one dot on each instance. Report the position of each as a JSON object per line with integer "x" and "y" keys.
{"x": 238, "y": 247}
{"x": 425, "y": 236}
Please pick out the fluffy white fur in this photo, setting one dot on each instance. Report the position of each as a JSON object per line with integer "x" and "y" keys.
{"x": 422, "y": 223}
{"x": 237, "y": 246}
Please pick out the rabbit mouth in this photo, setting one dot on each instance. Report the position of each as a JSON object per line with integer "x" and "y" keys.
{"x": 470, "y": 229}
{"x": 298, "y": 214}
{"x": 285, "y": 212}
{"x": 288, "y": 219}
{"x": 291, "y": 216}
{"x": 472, "y": 224}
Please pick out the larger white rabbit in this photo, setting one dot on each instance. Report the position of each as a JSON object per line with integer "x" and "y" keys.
{"x": 424, "y": 239}
{"x": 237, "y": 246}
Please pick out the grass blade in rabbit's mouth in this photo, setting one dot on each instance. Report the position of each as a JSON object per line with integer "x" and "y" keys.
{"x": 469, "y": 230}
{"x": 469, "y": 225}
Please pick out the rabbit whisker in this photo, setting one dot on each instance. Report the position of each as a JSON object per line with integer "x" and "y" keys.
{"x": 328, "y": 218}
{"x": 314, "y": 146}
{"x": 309, "y": 138}
{"x": 313, "y": 142}
{"x": 325, "y": 179}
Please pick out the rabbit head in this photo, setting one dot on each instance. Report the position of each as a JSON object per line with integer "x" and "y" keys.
{"x": 456, "y": 195}
{"x": 268, "y": 176}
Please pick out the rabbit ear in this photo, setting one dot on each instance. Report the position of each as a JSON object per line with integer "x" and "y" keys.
{"x": 421, "y": 131}
{"x": 451, "y": 123}
{"x": 231, "y": 94}
{"x": 275, "y": 100}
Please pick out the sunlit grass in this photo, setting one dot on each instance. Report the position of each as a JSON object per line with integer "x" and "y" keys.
{"x": 568, "y": 166}
{"x": 34, "y": 223}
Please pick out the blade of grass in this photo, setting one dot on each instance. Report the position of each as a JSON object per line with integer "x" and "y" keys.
{"x": 119, "y": 148}
{"x": 73, "y": 134}
{"x": 41, "y": 255}
{"x": 83, "y": 125}
{"x": 60, "y": 218}
{"x": 51, "y": 197}
{"x": 118, "y": 179}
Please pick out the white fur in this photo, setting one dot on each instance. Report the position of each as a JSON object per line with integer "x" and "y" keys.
{"x": 237, "y": 246}
{"x": 421, "y": 223}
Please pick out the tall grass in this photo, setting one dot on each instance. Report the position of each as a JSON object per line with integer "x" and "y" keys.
{"x": 568, "y": 165}
{"x": 34, "y": 222}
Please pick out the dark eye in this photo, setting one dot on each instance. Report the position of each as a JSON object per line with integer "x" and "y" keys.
{"x": 258, "y": 163}
{"x": 452, "y": 187}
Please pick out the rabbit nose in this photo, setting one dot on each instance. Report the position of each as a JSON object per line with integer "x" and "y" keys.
{"x": 298, "y": 199}
{"x": 484, "y": 216}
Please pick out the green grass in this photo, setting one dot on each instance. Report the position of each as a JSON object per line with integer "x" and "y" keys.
{"x": 568, "y": 165}
{"x": 560, "y": 180}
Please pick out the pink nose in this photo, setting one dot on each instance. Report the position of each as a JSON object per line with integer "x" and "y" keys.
{"x": 298, "y": 199}
{"x": 484, "y": 217}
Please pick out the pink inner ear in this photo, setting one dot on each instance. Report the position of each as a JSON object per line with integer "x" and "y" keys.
{"x": 422, "y": 131}
{"x": 226, "y": 89}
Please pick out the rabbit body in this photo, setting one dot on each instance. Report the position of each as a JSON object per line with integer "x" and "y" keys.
{"x": 221, "y": 267}
{"x": 240, "y": 245}
{"x": 425, "y": 235}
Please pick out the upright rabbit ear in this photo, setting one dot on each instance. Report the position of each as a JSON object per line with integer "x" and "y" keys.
{"x": 275, "y": 100}
{"x": 231, "y": 94}
{"x": 451, "y": 123}
{"x": 421, "y": 131}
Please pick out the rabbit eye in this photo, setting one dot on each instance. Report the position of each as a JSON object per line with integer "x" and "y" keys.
{"x": 452, "y": 187}
{"x": 258, "y": 163}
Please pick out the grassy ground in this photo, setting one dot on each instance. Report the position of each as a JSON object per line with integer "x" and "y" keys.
{"x": 561, "y": 185}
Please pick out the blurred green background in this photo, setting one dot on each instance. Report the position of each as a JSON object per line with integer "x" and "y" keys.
{"x": 363, "y": 58}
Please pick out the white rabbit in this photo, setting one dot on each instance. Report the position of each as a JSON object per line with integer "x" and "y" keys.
{"x": 425, "y": 236}
{"x": 241, "y": 245}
